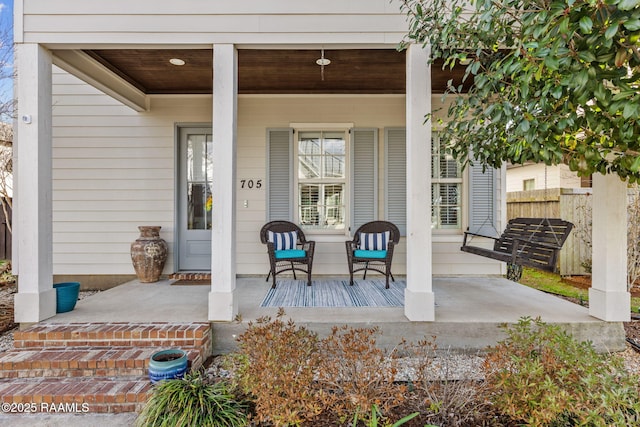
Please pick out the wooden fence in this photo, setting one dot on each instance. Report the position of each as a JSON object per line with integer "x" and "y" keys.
{"x": 5, "y": 235}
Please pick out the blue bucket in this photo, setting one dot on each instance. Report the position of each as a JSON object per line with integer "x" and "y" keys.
{"x": 66, "y": 296}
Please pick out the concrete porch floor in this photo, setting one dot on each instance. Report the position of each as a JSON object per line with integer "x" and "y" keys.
{"x": 468, "y": 312}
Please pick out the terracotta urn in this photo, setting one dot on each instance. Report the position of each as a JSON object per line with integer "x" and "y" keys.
{"x": 149, "y": 253}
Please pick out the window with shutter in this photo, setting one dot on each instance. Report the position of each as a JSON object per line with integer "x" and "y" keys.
{"x": 322, "y": 179}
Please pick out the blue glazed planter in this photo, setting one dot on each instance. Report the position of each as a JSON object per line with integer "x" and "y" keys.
{"x": 167, "y": 364}
{"x": 66, "y": 296}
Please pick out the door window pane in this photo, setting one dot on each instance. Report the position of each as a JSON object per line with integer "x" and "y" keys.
{"x": 199, "y": 173}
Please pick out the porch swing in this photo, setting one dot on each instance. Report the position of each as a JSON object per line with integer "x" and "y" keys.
{"x": 525, "y": 242}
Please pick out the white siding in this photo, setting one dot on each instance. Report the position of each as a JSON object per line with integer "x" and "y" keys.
{"x": 557, "y": 177}
{"x": 205, "y": 22}
{"x": 114, "y": 169}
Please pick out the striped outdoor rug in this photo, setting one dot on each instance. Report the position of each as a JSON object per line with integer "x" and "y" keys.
{"x": 335, "y": 293}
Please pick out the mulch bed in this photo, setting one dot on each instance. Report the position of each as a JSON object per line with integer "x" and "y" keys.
{"x": 6, "y": 308}
{"x": 584, "y": 282}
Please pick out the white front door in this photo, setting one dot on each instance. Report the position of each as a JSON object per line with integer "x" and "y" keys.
{"x": 194, "y": 199}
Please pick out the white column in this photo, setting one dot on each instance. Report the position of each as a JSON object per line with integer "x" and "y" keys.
{"x": 608, "y": 297}
{"x": 223, "y": 305}
{"x": 419, "y": 299}
{"x": 32, "y": 223}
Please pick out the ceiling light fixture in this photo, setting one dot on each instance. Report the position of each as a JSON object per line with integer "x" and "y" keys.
{"x": 177, "y": 61}
{"x": 322, "y": 61}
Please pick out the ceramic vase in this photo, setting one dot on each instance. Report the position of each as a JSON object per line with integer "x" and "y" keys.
{"x": 149, "y": 253}
{"x": 167, "y": 365}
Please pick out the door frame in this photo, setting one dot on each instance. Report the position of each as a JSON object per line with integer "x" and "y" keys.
{"x": 178, "y": 126}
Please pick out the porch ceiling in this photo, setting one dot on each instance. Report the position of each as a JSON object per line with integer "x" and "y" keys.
{"x": 356, "y": 71}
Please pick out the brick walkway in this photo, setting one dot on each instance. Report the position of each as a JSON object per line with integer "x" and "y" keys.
{"x": 92, "y": 367}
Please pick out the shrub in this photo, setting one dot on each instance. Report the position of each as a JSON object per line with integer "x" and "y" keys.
{"x": 542, "y": 376}
{"x": 191, "y": 401}
{"x": 375, "y": 413}
{"x": 277, "y": 363}
{"x": 355, "y": 374}
{"x": 449, "y": 395}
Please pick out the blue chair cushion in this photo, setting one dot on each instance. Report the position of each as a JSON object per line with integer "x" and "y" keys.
{"x": 283, "y": 241}
{"x": 290, "y": 253}
{"x": 359, "y": 253}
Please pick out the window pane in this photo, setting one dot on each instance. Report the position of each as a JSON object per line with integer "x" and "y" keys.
{"x": 529, "y": 184}
{"x": 449, "y": 167}
{"x": 199, "y": 173}
{"x": 321, "y": 206}
{"x": 198, "y": 206}
{"x": 308, "y": 203}
{"x": 334, "y": 206}
{"x": 446, "y": 205}
{"x": 309, "y": 155}
{"x": 443, "y": 165}
{"x": 333, "y": 146}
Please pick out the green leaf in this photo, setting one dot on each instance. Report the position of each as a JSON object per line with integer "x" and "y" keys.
{"x": 586, "y": 24}
{"x": 628, "y": 4}
{"x": 630, "y": 109}
{"x": 611, "y": 32}
{"x": 632, "y": 24}
{"x": 564, "y": 26}
{"x": 551, "y": 62}
{"x": 635, "y": 167}
{"x": 586, "y": 56}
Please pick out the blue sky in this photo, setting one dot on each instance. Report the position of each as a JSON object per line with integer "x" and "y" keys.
{"x": 6, "y": 50}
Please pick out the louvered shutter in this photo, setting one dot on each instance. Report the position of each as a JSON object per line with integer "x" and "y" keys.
{"x": 279, "y": 174}
{"x": 396, "y": 178}
{"x": 482, "y": 209}
{"x": 364, "y": 176}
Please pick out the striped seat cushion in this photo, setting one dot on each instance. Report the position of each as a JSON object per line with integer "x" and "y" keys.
{"x": 283, "y": 241}
{"x": 374, "y": 241}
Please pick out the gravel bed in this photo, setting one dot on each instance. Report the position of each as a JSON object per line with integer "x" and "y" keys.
{"x": 7, "y": 292}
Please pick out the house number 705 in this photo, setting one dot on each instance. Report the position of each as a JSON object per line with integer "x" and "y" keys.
{"x": 250, "y": 183}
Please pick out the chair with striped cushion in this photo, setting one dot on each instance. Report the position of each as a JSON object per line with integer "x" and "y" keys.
{"x": 372, "y": 249}
{"x": 288, "y": 249}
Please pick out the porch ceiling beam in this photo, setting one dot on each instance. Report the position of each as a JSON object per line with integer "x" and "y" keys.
{"x": 97, "y": 75}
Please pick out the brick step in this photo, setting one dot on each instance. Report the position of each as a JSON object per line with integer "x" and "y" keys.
{"x": 75, "y": 395}
{"x": 82, "y": 362}
{"x": 181, "y": 335}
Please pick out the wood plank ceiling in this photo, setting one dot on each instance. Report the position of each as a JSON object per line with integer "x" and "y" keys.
{"x": 351, "y": 71}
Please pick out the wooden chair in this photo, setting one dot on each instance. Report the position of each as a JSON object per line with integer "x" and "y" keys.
{"x": 372, "y": 249}
{"x": 530, "y": 242}
{"x": 288, "y": 249}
